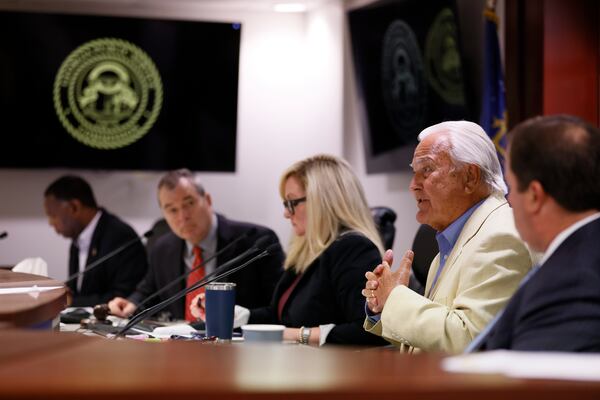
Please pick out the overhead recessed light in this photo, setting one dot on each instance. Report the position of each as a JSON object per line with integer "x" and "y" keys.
{"x": 290, "y": 7}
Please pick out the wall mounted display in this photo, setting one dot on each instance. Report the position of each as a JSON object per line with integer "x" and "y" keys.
{"x": 408, "y": 64}
{"x": 117, "y": 93}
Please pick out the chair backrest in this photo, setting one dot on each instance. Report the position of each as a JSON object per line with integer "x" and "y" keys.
{"x": 384, "y": 218}
{"x": 159, "y": 228}
{"x": 425, "y": 248}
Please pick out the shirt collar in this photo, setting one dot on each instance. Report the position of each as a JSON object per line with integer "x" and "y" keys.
{"x": 84, "y": 239}
{"x": 562, "y": 236}
{"x": 448, "y": 237}
{"x": 209, "y": 243}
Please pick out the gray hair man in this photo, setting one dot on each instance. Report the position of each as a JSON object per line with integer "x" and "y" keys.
{"x": 198, "y": 233}
{"x": 459, "y": 189}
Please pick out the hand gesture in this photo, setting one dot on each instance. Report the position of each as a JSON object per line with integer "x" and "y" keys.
{"x": 381, "y": 281}
{"x": 121, "y": 307}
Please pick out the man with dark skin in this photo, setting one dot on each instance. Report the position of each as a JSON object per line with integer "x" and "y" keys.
{"x": 72, "y": 211}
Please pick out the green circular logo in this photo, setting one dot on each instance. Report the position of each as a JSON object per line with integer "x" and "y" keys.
{"x": 444, "y": 68}
{"x": 108, "y": 93}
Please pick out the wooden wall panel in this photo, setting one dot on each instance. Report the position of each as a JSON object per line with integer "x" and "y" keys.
{"x": 571, "y": 53}
{"x": 524, "y": 59}
{"x": 552, "y": 58}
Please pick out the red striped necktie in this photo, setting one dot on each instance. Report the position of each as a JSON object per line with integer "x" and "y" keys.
{"x": 194, "y": 277}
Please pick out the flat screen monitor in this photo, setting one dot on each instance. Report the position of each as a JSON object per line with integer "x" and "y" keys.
{"x": 117, "y": 93}
{"x": 409, "y": 71}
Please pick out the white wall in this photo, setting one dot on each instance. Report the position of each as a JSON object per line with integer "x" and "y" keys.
{"x": 296, "y": 98}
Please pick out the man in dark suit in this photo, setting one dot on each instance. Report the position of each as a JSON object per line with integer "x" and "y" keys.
{"x": 553, "y": 170}
{"x": 73, "y": 213}
{"x": 197, "y": 233}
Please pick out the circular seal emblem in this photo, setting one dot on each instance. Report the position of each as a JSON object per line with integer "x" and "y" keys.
{"x": 107, "y": 93}
{"x": 403, "y": 81}
{"x": 442, "y": 56}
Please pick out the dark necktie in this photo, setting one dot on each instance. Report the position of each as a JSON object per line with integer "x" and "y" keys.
{"x": 73, "y": 265}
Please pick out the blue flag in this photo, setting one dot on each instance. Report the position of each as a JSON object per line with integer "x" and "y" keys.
{"x": 493, "y": 117}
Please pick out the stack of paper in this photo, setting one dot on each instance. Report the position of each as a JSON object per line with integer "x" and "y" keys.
{"x": 535, "y": 365}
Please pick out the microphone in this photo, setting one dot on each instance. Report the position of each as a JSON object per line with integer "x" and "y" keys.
{"x": 160, "y": 306}
{"x": 3, "y": 235}
{"x": 261, "y": 243}
{"x": 100, "y": 313}
{"x": 113, "y": 253}
{"x": 250, "y": 232}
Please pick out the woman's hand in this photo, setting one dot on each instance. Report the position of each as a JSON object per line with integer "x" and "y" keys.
{"x": 292, "y": 334}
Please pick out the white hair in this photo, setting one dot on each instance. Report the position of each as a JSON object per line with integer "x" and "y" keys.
{"x": 469, "y": 144}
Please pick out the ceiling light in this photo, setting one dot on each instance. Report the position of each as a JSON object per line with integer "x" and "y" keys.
{"x": 289, "y": 7}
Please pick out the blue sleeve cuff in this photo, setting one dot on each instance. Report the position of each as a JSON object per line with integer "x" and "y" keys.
{"x": 373, "y": 317}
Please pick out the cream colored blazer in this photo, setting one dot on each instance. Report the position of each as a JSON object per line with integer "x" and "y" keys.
{"x": 481, "y": 273}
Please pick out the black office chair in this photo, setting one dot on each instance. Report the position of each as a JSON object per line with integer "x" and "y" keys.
{"x": 425, "y": 248}
{"x": 159, "y": 228}
{"x": 384, "y": 218}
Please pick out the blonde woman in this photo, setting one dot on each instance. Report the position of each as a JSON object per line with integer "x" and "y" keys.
{"x": 334, "y": 244}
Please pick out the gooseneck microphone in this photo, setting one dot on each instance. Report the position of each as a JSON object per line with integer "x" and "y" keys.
{"x": 250, "y": 232}
{"x": 3, "y": 235}
{"x": 208, "y": 279}
{"x": 113, "y": 253}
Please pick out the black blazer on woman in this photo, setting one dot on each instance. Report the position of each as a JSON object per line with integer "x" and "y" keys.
{"x": 329, "y": 292}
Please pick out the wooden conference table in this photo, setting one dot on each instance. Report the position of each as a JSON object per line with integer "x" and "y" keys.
{"x": 28, "y": 309}
{"x": 52, "y": 365}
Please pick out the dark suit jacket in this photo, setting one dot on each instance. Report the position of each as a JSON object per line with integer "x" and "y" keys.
{"x": 558, "y": 309}
{"x": 117, "y": 276}
{"x": 329, "y": 292}
{"x": 255, "y": 284}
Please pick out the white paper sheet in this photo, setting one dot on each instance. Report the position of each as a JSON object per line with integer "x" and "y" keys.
{"x": 533, "y": 365}
{"x": 166, "y": 331}
{"x": 35, "y": 265}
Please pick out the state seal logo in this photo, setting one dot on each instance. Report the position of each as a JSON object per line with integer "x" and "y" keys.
{"x": 108, "y": 93}
{"x": 442, "y": 55}
{"x": 403, "y": 81}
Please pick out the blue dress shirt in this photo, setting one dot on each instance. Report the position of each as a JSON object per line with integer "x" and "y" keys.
{"x": 446, "y": 241}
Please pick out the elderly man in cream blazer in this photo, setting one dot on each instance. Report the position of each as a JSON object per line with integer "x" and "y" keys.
{"x": 460, "y": 192}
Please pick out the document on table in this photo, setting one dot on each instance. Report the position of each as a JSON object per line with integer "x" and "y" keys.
{"x": 533, "y": 365}
{"x": 166, "y": 331}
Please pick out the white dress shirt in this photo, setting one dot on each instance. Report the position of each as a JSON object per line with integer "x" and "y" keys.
{"x": 562, "y": 236}
{"x": 83, "y": 242}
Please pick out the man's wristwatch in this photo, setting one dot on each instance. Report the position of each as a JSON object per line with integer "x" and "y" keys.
{"x": 303, "y": 335}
